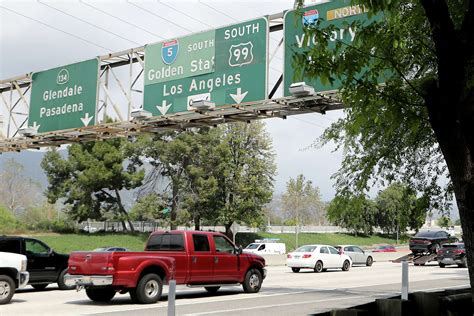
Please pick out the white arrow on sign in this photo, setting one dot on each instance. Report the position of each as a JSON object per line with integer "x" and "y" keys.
{"x": 35, "y": 127}
{"x": 86, "y": 119}
{"x": 164, "y": 107}
{"x": 239, "y": 96}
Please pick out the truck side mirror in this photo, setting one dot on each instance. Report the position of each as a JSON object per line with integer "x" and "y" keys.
{"x": 238, "y": 250}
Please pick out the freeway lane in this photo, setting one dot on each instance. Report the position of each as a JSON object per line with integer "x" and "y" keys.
{"x": 283, "y": 293}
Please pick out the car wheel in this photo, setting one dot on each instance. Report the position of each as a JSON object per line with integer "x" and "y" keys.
{"x": 148, "y": 290}
{"x": 295, "y": 270}
{"x": 464, "y": 263}
{"x": 253, "y": 281}
{"x": 61, "y": 282}
{"x": 212, "y": 289}
{"x": 40, "y": 287}
{"x": 441, "y": 265}
{"x": 100, "y": 294}
{"x": 369, "y": 261}
{"x": 7, "y": 288}
{"x": 318, "y": 267}
{"x": 346, "y": 265}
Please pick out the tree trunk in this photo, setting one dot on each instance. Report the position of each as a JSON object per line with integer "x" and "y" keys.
{"x": 228, "y": 231}
{"x": 197, "y": 222}
{"x": 174, "y": 205}
{"x": 124, "y": 212}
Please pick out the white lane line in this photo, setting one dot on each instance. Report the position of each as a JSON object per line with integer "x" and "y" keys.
{"x": 276, "y": 305}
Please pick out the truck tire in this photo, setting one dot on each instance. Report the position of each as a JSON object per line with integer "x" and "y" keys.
{"x": 61, "y": 284}
{"x": 212, "y": 289}
{"x": 100, "y": 294}
{"x": 253, "y": 281}
{"x": 148, "y": 290}
{"x": 7, "y": 288}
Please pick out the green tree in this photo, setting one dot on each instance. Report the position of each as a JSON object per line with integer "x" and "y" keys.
{"x": 148, "y": 208}
{"x": 356, "y": 213}
{"x": 420, "y": 124}
{"x": 244, "y": 175}
{"x": 90, "y": 179}
{"x": 302, "y": 201}
{"x": 7, "y": 220}
{"x": 17, "y": 191}
{"x": 444, "y": 221}
{"x": 399, "y": 209}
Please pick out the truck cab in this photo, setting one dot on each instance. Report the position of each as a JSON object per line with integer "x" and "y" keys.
{"x": 45, "y": 266}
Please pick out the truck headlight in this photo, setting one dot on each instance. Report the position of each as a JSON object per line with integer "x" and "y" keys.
{"x": 23, "y": 265}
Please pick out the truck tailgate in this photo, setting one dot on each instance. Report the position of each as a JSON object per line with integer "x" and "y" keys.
{"x": 90, "y": 262}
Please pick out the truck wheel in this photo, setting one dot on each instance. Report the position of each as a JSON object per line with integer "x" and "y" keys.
{"x": 61, "y": 284}
{"x": 7, "y": 288}
{"x": 148, "y": 290}
{"x": 212, "y": 289}
{"x": 40, "y": 287}
{"x": 253, "y": 281}
{"x": 100, "y": 294}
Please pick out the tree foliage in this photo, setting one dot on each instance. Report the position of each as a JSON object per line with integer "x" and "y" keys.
{"x": 217, "y": 175}
{"x": 302, "y": 202}
{"x": 90, "y": 179}
{"x": 356, "y": 213}
{"x": 419, "y": 126}
{"x": 17, "y": 191}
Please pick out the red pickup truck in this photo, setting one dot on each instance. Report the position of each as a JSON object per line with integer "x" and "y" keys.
{"x": 194, "y": 258}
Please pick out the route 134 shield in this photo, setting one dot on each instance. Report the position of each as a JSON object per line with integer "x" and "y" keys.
{"x": 169, "y": 51}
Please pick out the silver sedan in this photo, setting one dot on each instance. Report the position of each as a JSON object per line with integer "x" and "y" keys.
{"x": 356, "y": 253}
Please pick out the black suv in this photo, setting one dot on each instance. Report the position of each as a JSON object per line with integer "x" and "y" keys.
{"x": 44, "y": 265}
{"x": 430, "y": 241}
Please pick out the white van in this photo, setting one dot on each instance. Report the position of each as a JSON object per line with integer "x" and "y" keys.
{"x": 266, "y": 248}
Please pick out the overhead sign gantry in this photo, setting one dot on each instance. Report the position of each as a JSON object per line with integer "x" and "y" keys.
{"x": 227, "y": 65}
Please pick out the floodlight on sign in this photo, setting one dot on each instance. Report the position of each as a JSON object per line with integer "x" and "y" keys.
{"x": 203, "y": 105}
{"x": 139, "y": 114}
{"x": 28, "y": 131}
{"x": 301, "y": 89}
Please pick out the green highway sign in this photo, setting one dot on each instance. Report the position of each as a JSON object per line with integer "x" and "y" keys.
{"x": 64, "y": 97}
{"x": 339, "y": 13}
{"x": 225, "y": 66}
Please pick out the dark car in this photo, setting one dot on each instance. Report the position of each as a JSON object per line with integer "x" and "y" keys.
{"x": 452, "y": 254}
{"x": 43, "y": 263}
{"x": 430, "y": 241}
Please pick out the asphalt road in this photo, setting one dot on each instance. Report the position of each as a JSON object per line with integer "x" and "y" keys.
{"x": 283, "y": 293}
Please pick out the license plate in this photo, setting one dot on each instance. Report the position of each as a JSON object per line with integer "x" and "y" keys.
{"x": 86, "y": 279}
{"x": 297, "y": 257}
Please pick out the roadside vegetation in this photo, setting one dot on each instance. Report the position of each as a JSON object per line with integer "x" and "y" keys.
{"x": 65, "y": 243}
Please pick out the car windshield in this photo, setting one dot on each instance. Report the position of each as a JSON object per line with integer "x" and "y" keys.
{"x": 306, "y": 249}
{"x": 426, "y": 234}
{"x": 461, "y": 246}
{"x": 252, "y": 246}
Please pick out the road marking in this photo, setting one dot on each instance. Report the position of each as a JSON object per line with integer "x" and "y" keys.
{"x": 277, "y": 305}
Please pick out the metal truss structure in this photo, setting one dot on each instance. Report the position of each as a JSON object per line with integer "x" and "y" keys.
{"x": 118, "y": 96}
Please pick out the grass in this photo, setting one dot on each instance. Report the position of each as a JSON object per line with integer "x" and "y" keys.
{"x": 65, "y": 243}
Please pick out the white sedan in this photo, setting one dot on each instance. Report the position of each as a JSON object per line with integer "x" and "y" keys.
{"x": 317, "y": 257}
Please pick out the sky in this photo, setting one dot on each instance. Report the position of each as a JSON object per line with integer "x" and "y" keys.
{"x": 38, "y": 35}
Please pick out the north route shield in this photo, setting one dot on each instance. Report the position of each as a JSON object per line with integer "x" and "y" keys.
{"x": 169, "y": 51}
{"x": 310, "y": 17}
